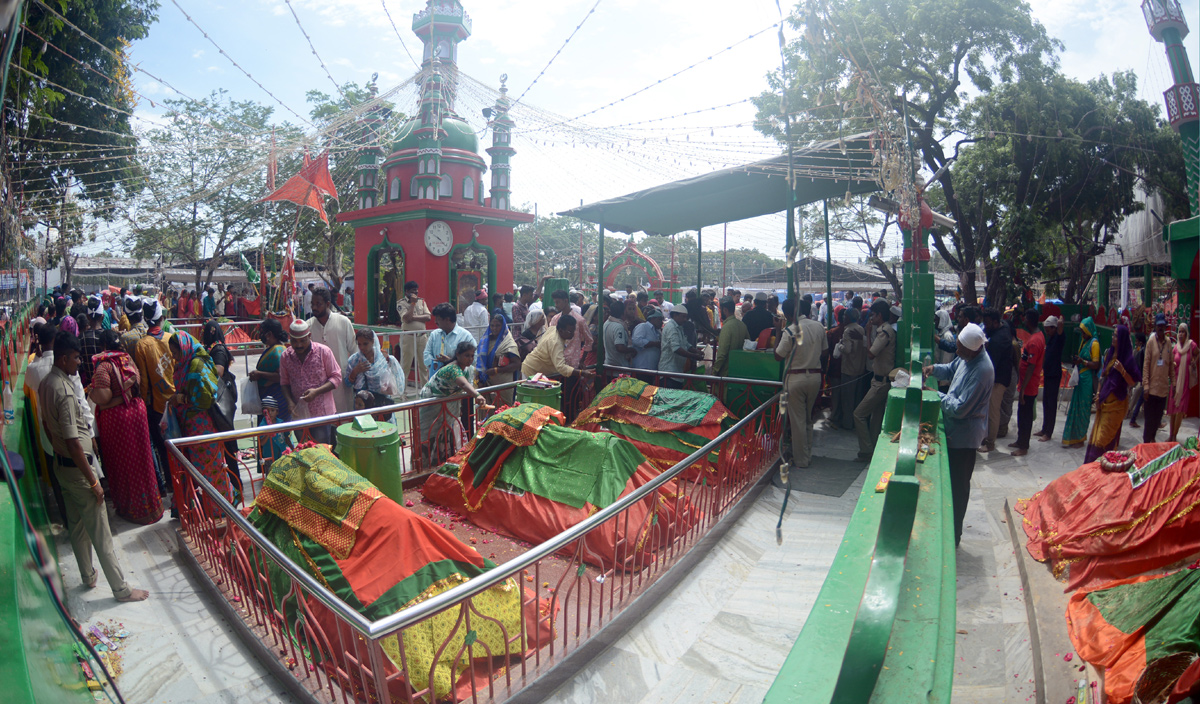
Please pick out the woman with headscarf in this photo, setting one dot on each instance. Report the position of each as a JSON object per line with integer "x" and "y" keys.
{"x": 196, "y": 389}
{"x": 1119, "y": 373}
{"x": 1087, "y": 361}
{"x": 123, "y": 434}
{"x": 1185, "y": 381}
{"x": 535, "y": 322}
{"x": 438, "y": 421}
{"x": 214, "y": 340}
{"x": 498, "y": 359}
{"x": 372, "y": 375}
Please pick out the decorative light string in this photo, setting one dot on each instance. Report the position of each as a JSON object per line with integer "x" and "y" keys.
{"x": 560, "y": 50}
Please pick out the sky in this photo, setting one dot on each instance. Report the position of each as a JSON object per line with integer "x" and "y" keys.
{"x": 622, "y": 47}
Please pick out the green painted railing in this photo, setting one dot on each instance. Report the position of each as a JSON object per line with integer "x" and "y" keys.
{"x": 38, "y": 662}
{"x": 882, "y": 628}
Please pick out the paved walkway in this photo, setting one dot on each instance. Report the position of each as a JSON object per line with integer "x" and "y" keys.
{"x": 720, "y": 636}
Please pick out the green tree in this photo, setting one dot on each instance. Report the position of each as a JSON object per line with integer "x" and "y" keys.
{"x": 859, "y": 63}
{"x": 69, "y": 100}
{"x": 202, "y": 187}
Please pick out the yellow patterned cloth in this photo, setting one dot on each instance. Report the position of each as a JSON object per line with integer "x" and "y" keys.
{"x": 499, "y": 633}
{"x": 318, "y": 495}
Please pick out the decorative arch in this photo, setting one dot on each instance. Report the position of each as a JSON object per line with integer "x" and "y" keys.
{"x": 475, "y": 250}
{"x": 374, "y": 281}
{"x": 629, "y": 257}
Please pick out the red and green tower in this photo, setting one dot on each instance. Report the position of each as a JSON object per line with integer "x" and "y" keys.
{"x": 370, "y": 153}
{"x": 501, "y": 150}
{"x": 441, "y": 26}
{"x": 430, "y": 133}
{"x": 1165, "y": 20}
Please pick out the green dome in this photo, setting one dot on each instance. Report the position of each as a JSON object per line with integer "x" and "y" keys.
{"x": 459, "y": 135}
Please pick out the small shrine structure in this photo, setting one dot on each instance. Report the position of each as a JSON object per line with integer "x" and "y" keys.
{"x": 427, "y": 219}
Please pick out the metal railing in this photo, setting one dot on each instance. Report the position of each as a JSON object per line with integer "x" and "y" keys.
{"x": 336, "y": 654}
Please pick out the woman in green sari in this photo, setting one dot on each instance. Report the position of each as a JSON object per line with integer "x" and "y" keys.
{"x": 1087, "y": 361}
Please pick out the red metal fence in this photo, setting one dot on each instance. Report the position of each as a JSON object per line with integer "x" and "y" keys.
{"x": 336, "y": 654}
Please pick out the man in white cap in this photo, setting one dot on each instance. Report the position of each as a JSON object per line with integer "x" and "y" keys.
{"x": 1052, "y": 372}
{"x": 675, "y": 351}
{"x": 309, "y": 374}
{"x": 964, "y": 413}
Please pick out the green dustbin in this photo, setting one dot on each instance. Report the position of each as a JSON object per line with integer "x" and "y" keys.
{"x": 552, "y": 396}
{"x": 373, "y": 450}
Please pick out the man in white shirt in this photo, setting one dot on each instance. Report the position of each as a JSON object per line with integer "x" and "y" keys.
{"x": 675, "y": 350}
{"x": 475, "y": 317}
{"x": 336, "y": 332}
{"x": 308, "y": 305}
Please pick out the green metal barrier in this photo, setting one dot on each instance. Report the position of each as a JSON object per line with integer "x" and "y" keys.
{"x": 38, "y": 661}
{"x": 884, "y": 620}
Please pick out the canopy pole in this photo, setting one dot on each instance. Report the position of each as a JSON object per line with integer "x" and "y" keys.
{"x": 699, "y": 265}
{"x": 724, "y": 262}
{"x": 537, "y": 252}
{"x": 828, "y": 272}
{"x": 602, "y": 314}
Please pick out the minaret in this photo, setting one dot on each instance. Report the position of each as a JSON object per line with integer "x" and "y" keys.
{"x": 441, "y": 27}
{"x": 501, "y": 150}
{"x": 1164, "y": 19}
{"x": 429, "y": 135}
{"x": 369, "y": 154}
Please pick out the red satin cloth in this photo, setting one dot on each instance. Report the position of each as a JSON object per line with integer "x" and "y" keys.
{"x": 1094, "y": 526}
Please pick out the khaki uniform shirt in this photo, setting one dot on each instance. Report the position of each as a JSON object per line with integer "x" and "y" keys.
{"x": 62, "y": 417}
{"x": 884, "y": 349}
{"x": 809, "y": 338}
{"x": 419, "y": 308}
{"x": 854, "y": 350}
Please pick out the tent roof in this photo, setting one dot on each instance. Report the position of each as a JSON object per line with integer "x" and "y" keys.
{"x": 740, "y": 192}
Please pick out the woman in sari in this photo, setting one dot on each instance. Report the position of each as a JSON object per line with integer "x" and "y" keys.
{"x": 499, "y": 359}
{"x": 196, "y": 388}
{"x": 1087, "y": 361}
{"x": 1120, "y": 373}
{"x": 370, "y": 373}
{"x": 439, "y": 434}
{"x": 123, "y": 435}
{"x": 1185, "y": 381}
{"x": 535, "y": 322}
{"x": 266, "y": 372}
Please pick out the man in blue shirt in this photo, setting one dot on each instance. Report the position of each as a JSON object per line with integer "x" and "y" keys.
{"x": 647, "y": 338}
{"x": 440, "y": 347}
{"x": 964, "y": 413}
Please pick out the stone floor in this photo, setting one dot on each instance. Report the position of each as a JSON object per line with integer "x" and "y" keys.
{"x": 720, "y": 636}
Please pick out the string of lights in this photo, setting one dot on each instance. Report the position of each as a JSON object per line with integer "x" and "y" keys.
{"x": 398, "y": 36}
{"x": 560, "y": 50}
{"x": 314, "y": 50}
{"x": 238, "y": 66}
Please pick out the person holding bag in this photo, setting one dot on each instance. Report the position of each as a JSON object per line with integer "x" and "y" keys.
{"x": 196, "y": 389}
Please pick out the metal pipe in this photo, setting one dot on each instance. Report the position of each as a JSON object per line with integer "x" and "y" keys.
{"x": 407, "y": 617}
{"x": 699, "y": 377}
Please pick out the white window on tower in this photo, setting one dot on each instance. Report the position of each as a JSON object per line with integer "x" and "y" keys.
{"x": 368, "y": 202}
{"x": 503, "y": 180}
{"x": 468, "y": 192}
{"x": 421, "y": 167}
{"x": 481, "y": 191}
{"x": 446, "y": 188}
{"x": 412, "y": 190}
{"x": 395, "y": 193}
{"x": 368, "y": 179}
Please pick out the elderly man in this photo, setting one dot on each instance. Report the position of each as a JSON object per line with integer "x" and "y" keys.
{"x": 964, "y": 413}
{"x": 442, "y": 342}
{"x": 804, "y": 347}
{"x": 675, "y": 348}
{"x": 1158, "y": 373}
{"x": 868, "y": 415}
{"x": 475, "y": 317}
{"x": 308, "y": 374}
{"x": 63, "y": 420}
{"x": 335, "y": 331}
{"x": 414, "y": 314}
{"x": 733, "y": 336}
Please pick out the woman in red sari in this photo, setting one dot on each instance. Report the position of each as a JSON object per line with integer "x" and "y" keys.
{"x": 123, "y": 434}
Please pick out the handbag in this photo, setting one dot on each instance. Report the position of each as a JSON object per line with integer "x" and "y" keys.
{"x": 251, "y": 402}
{"x": 224, "y": 405}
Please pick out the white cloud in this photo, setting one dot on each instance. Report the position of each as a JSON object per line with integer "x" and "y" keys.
{"x": 197, "y": 53}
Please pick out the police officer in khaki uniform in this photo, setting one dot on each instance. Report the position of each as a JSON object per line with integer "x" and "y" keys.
{"x": 868, "y": 417}
{"x": 803, "y": 381}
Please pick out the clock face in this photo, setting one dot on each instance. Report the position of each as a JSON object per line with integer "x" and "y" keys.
{"x": 438, "y": 238}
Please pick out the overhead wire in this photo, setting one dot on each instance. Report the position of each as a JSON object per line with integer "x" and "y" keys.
{"x": 560, "y": 50}
{"x": 313, "y": 48}
{"x": 397, "y": 31}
